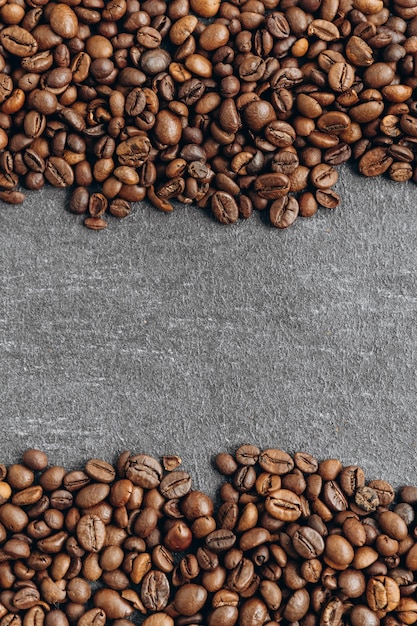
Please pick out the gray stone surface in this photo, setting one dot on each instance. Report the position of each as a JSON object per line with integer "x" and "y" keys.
{"x": 172, "y": 334}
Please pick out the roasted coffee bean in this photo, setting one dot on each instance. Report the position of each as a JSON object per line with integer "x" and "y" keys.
{"x": 18, "y": 41}
{"x": 58, "y": 172}
{"x": 190, "y": 599}
{"x": 308, "y": 543}
{"x": 120, "y": 208}
{"x": 272, "y": 186}
{"x": 224, "y": 207}
{"x": 220, "y": 540}
{"x": 275, "y": 461}
{"x": 375, "y": 162}
{"x": 143, "y": 470}
{"x": 283, "y": 505}
{"x": 175, "y": 485}
{"x": 155, "y": 590}
{"x": 91, "y": 533}
{"x": 327, "y": 198}
{"x": 113, "y": 605}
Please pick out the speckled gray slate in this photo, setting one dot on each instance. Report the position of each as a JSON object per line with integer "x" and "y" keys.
{"x": 173, "y": 334}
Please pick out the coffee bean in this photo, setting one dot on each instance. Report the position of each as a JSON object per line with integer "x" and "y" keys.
{"x": 205, "y": 8}
{"x": 95, "y": 223}
{"x": 276, "y": 461}
{"x": 272, "y": 186}
{"x": 113, "y": 605}
{"x": 190, "y": 599}
{"x": 120, "y": 208}
{"x": 58, "y": 172}
{"x": 375, "y": 162}
{"x": 155, "y": 590}
{"x": 308, "y": 543}
{"x": 143, "y": 470}
{"x": 283, "y": 505}
{"x": 91, "y": 533}
{"x": 18, "y": 41}
{"x": 224, "y": 208}
{"x": 12, "y": 196}
{"x": 341, "y": 76}
{"x": 327, "y": 198}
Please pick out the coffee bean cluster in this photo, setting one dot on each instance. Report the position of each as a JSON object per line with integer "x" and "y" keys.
{"x": 234, "y": 106}
{"x": 293, "y": 541}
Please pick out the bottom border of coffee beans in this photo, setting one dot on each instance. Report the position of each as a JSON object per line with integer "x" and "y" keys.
{"x": 290, "y": 540}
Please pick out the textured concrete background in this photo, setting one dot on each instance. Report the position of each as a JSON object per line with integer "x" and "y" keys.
{"x": 173, "y": 334}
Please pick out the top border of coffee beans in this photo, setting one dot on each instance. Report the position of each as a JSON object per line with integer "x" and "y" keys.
{"x": 232, "y": 106}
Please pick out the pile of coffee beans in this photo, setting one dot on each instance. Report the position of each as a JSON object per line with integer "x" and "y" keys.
{"x": 293, "y": 541}
{"x": 234, "y": 106}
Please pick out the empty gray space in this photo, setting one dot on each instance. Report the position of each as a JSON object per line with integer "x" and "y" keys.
{"x": 173, "y": 334}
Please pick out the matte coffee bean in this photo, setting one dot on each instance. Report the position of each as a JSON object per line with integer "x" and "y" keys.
{"x": 91, "y": 533}
{"x": 276, "y": 461}
{"x": 155, "y": 590}
{"x": 113, "y": 605}
{"x": 143, "y": 470}
{"x": 18, "y": 41}
{"x": 308, "y": 543}
{"x": 58, "y": 173}
{"x": 220, "y": 540}
{"x": 284, "y": 211}
{"x": 375, "y": 162}
{"x": 283, "y": 505}
{"x": 190, "y": 599}
{"x": 224, "y": 208}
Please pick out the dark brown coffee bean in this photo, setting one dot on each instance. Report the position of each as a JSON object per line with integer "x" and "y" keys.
{"x": 58, "y": 173}
{"x": 155, "y": 590}
{"x": 323, "y": 176}
{"x": 133, "y": 151}
{"x": 327, "y": 198}
{"x": 220, "y": 540}
{"x": 272, "y": 186}
{"x": 358, "y": 52}
{"x": 175, "y": 485}
{"x": 280, "y": 134}
{"x": 190, "y": 599}
{"x": 306, "y": 462}
{"x": 351, "y": 478}
{"x": 18, "y": 41}
{"x": 308, "y": 543}
{"x": 91, "y": 533}
{"x": 256, "y": 115}
{"x": 283, "y": 505}
{"x": 113, "y": 605}
{"x": 143, "y": 470}
{"x": 135, "y": 102}
{"x": 224, "y": 208}
{"x": 375, "y": 162}
{"x": 276, "y": 461}
{"x": 341, "y": 76}
{"x": 120, "y": 208}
